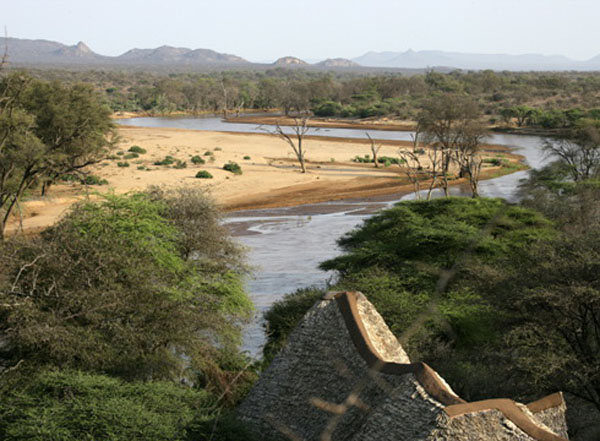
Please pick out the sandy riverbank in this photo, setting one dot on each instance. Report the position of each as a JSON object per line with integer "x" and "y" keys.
{"x": 270, "y": 178}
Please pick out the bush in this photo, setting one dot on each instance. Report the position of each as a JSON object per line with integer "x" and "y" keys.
{"x": 74, "y": 406}
{"x": 167, "y": 161}
{"x": 203, "y": 174}
{"x": 247, "y": 158}
{"x": 131, "y": 156}
{"x": 386, "y": 160}
{"x": 94, "y": 180}
{"x": 233, "y": 167}
{"x": 179, "y": 164}
{"x": 208, "y": 153}
{"x": 123, "y": 164}
{"x": 197, "y": 160}
{"x": 137, "y": 149}
{"x": 137, "y": 279}
{"x": 496, "y": 162}
{"x": 328, "y": 108}
{"x": 86, "y": 180}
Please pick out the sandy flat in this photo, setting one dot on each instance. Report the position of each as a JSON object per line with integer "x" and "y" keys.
{"x": 271, "y": 177}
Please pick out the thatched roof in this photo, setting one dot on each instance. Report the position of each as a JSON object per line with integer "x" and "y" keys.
{"x": 344, "y": 376}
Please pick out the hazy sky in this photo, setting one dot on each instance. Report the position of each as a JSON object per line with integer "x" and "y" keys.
{"x": 263, "y": 30}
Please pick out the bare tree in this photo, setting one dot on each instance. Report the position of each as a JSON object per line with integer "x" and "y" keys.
{"x": 413, "y": 168}
{"x": 225, "y": 97}
{"x": 300, "y": 128}
{"x": 374, "y": 149}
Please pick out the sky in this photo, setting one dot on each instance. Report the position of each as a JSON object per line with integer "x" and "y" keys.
{"x": 264, "y": 30}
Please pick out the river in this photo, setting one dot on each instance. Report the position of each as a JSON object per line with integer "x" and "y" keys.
{"x": 286, "y": 244}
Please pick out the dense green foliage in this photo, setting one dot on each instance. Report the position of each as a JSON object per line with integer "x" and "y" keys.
{"x": 112, "y": 289}
{"x": 416, "y": 263}
{"x": 47, "y": 130}
{"x": 123, "y": 322}
{"x": 76, "y": 406}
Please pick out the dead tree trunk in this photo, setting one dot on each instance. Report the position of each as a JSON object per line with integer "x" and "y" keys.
{"x": 374, "y": 149}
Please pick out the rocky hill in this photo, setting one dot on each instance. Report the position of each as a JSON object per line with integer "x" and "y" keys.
{"x": 290, "y": 61}
{"x": 44, "y": 52}
{"x": 337, "y": 62}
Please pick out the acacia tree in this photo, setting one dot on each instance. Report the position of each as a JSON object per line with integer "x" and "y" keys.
{"x": 47, "y": 130}
{"x": 578, "y": 150}
{"x": 467, "y": 154}
{"x": 450, "y": 125}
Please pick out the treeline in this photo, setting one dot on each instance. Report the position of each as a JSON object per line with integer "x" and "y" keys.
{"x": 553, "y": 118}
{"x": 346, "y": 95}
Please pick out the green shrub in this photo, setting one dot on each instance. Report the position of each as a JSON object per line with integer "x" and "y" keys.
{"x": 496, "y": 162}
{"x": 386, "y": 160}
{"x": 94, "y": 180}
{"x": 131, "y": 156}
{"x": 137, "y": 149}
{"x": 203, "y": 174}
{"x": 197, "y": 160}
{"x": 247, "y": 157}
{"x": 167, "y": 161}
{"x": 74, "y": 406}
{"x": 137, "y": 279}
{"x": 121, "y": 153}
{"x": 179, "y": 164}
{"x": 208, "y": 153}
{"x": 328, "y": 108}
{"x": 141, "y": 167}
{"x": 123, "y": 164}
{"x": 233, "y": 167}
{"x": 87, "y": 180}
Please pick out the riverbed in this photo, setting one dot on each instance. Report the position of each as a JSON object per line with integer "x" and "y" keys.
{"x": 285, "y": 245}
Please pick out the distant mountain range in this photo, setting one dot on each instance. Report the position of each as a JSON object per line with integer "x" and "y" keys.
{"x": 43, "y": 52}
{"x": 458, "y": 60}
{"x": 21, "y": 51}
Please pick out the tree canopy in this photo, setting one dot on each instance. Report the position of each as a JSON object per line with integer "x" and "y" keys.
{"x": 47, "y": 130}
{"x": 124, "y": 286}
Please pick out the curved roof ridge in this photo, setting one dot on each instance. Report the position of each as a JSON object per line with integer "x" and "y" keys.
{"x": 433, "y": 383}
